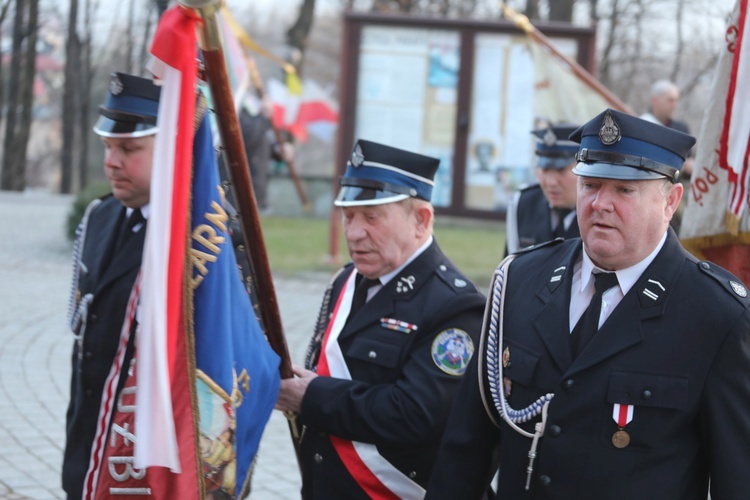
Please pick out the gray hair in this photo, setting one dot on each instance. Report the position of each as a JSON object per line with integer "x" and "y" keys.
{"x": 661, "y": 87}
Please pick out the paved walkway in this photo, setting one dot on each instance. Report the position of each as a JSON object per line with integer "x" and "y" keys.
{"x": 35, "y": 352}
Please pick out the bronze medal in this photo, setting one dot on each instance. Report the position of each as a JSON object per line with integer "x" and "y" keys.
{"x": 620, "y": 439}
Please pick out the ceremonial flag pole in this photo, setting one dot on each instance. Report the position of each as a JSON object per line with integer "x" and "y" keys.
{"x": 283, "y": 152}
{"x": 239, "y": 172}
{"x": 247, "y": 44}
{"x": 524, "y": 24}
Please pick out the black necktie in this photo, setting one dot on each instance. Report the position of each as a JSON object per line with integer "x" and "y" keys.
{"x": 561, "y": 213}
{"x": 360, "y": 294}
{"x": 126, "y": 229}
{"x": 589, "y": 323}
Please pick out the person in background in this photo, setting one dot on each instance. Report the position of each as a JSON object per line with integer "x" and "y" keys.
{"x": 664, "y": 99}
{"x": 255, "y": 125}
{"x": 396, "y": 330}
{"x": 109, "y": 246}
{"x": 614, "y": 366}
{"x": 546, "y": 210}
{"x": 663, "y": 102}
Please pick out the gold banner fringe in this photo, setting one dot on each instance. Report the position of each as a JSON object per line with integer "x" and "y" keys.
{"x": 696, "y": 245}
{"x": 732, "y": 222}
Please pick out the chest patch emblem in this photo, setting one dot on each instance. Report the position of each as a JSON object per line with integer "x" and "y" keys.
{"x": 452, "y": 350}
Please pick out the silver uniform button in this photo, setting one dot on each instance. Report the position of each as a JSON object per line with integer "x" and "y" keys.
{"x": 372, "y": 355}
{"x": 318, "y": 458}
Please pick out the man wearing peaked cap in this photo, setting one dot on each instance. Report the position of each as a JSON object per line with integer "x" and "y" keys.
{"x": 109, "y": 247}
{"x": 396, "y": 331}
{"x": 379, "y": 174}
{"x": 546, "y": 210}
{"x": 616, "y": 366}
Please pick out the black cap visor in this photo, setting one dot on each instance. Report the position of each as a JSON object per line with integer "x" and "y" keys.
{"x": 119, "y": 124}
{"x": 611, "y": 171}
{"x": 554, "y": 162}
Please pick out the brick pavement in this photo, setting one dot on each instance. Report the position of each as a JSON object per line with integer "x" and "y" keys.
{"x": 35, "y": 353}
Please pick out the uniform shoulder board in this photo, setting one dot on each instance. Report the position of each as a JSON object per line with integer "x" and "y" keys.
{"x": 727, "y": 280}
{"x": 531, "y": 248}
{"x": 453, "y": 278}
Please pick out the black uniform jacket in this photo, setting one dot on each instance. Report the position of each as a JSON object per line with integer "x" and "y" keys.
{"x": 677, "y": 348}
{"x": 398, "y": 398}
{"x": 108, "y": 274}
{"x": 533, "y": 218}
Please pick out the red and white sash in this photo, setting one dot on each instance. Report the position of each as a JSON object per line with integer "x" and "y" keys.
{"x": 374, "y": 474}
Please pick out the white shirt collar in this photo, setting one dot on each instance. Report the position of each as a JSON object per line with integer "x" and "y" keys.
{"x": 627, "y": 277}
{"x": 145, "y": 211}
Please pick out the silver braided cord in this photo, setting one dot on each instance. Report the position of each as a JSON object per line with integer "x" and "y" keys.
{"x": 321, "y": 325}
{"x": 495, "y": 367}
{"x": 77, "y": 310}
{"x": 495, "y": 375}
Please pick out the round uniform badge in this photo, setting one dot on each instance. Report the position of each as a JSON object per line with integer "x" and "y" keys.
{"x": 452, "y": 350}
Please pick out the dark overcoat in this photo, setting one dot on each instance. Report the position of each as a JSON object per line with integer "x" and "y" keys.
{"x": 398, "y": 397}
{"x": 108, "y": 274}
{"x": 677, "y": 348}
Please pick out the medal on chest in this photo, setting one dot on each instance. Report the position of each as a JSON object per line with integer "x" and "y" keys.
{"x": 622, "y": 415}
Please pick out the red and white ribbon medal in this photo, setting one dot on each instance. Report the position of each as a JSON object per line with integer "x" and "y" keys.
{"x": 622, "y": 415}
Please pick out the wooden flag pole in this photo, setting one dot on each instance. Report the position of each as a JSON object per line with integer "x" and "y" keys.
{"x": 524, "y": 24}
{"x": 234, "y": 153}
{"x": 260, "y": 91}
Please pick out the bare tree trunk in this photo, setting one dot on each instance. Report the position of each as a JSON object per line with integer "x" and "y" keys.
{"x": 680, "y": 41}
{"x": 593, "y": 12}
{"x": 71, "y": 93}
{"x": 561, "y": 10}
{"x": 606, "y": 63}
{"x": 27, "y": 93}
{"x": 143, "y": 53}
{"x": 130, "y": 45}
{"x": 161, "y": 7}
{"x": 88, "y": 73}
{"x": 3, "y": 13}
{"x": 532, "y": 9}
{"x": 12, "y": 175}
{"x": 405, "y": 5}
{"x": 298, "y": 34}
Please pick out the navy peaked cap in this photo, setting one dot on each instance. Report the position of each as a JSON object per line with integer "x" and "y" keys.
{"x": 615, "y": 145}
{"x": 377, "y": 174}
{"x": 130, "y": 109}
{"x": 553, "y": 148}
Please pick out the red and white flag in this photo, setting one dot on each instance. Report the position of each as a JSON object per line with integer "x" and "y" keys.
{"x": 715, "y": 225}
{"x": 303, "y": 111}
{"x": 161, "y": 330}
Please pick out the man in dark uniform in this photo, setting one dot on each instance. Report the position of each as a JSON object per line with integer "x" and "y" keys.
{"x": 396, "y": 332}
{"x": 545, "y": 211}
{"x": 647, "y": 396}
{"x": 108, "y": 257}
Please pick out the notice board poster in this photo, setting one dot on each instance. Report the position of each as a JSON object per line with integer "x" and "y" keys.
{"x": 407, "y": 94}
{"x": 468, "y": 92}
{"x": 500, "y": 152}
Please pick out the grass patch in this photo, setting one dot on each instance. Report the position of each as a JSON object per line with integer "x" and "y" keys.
{"x": 297, "y": 246}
